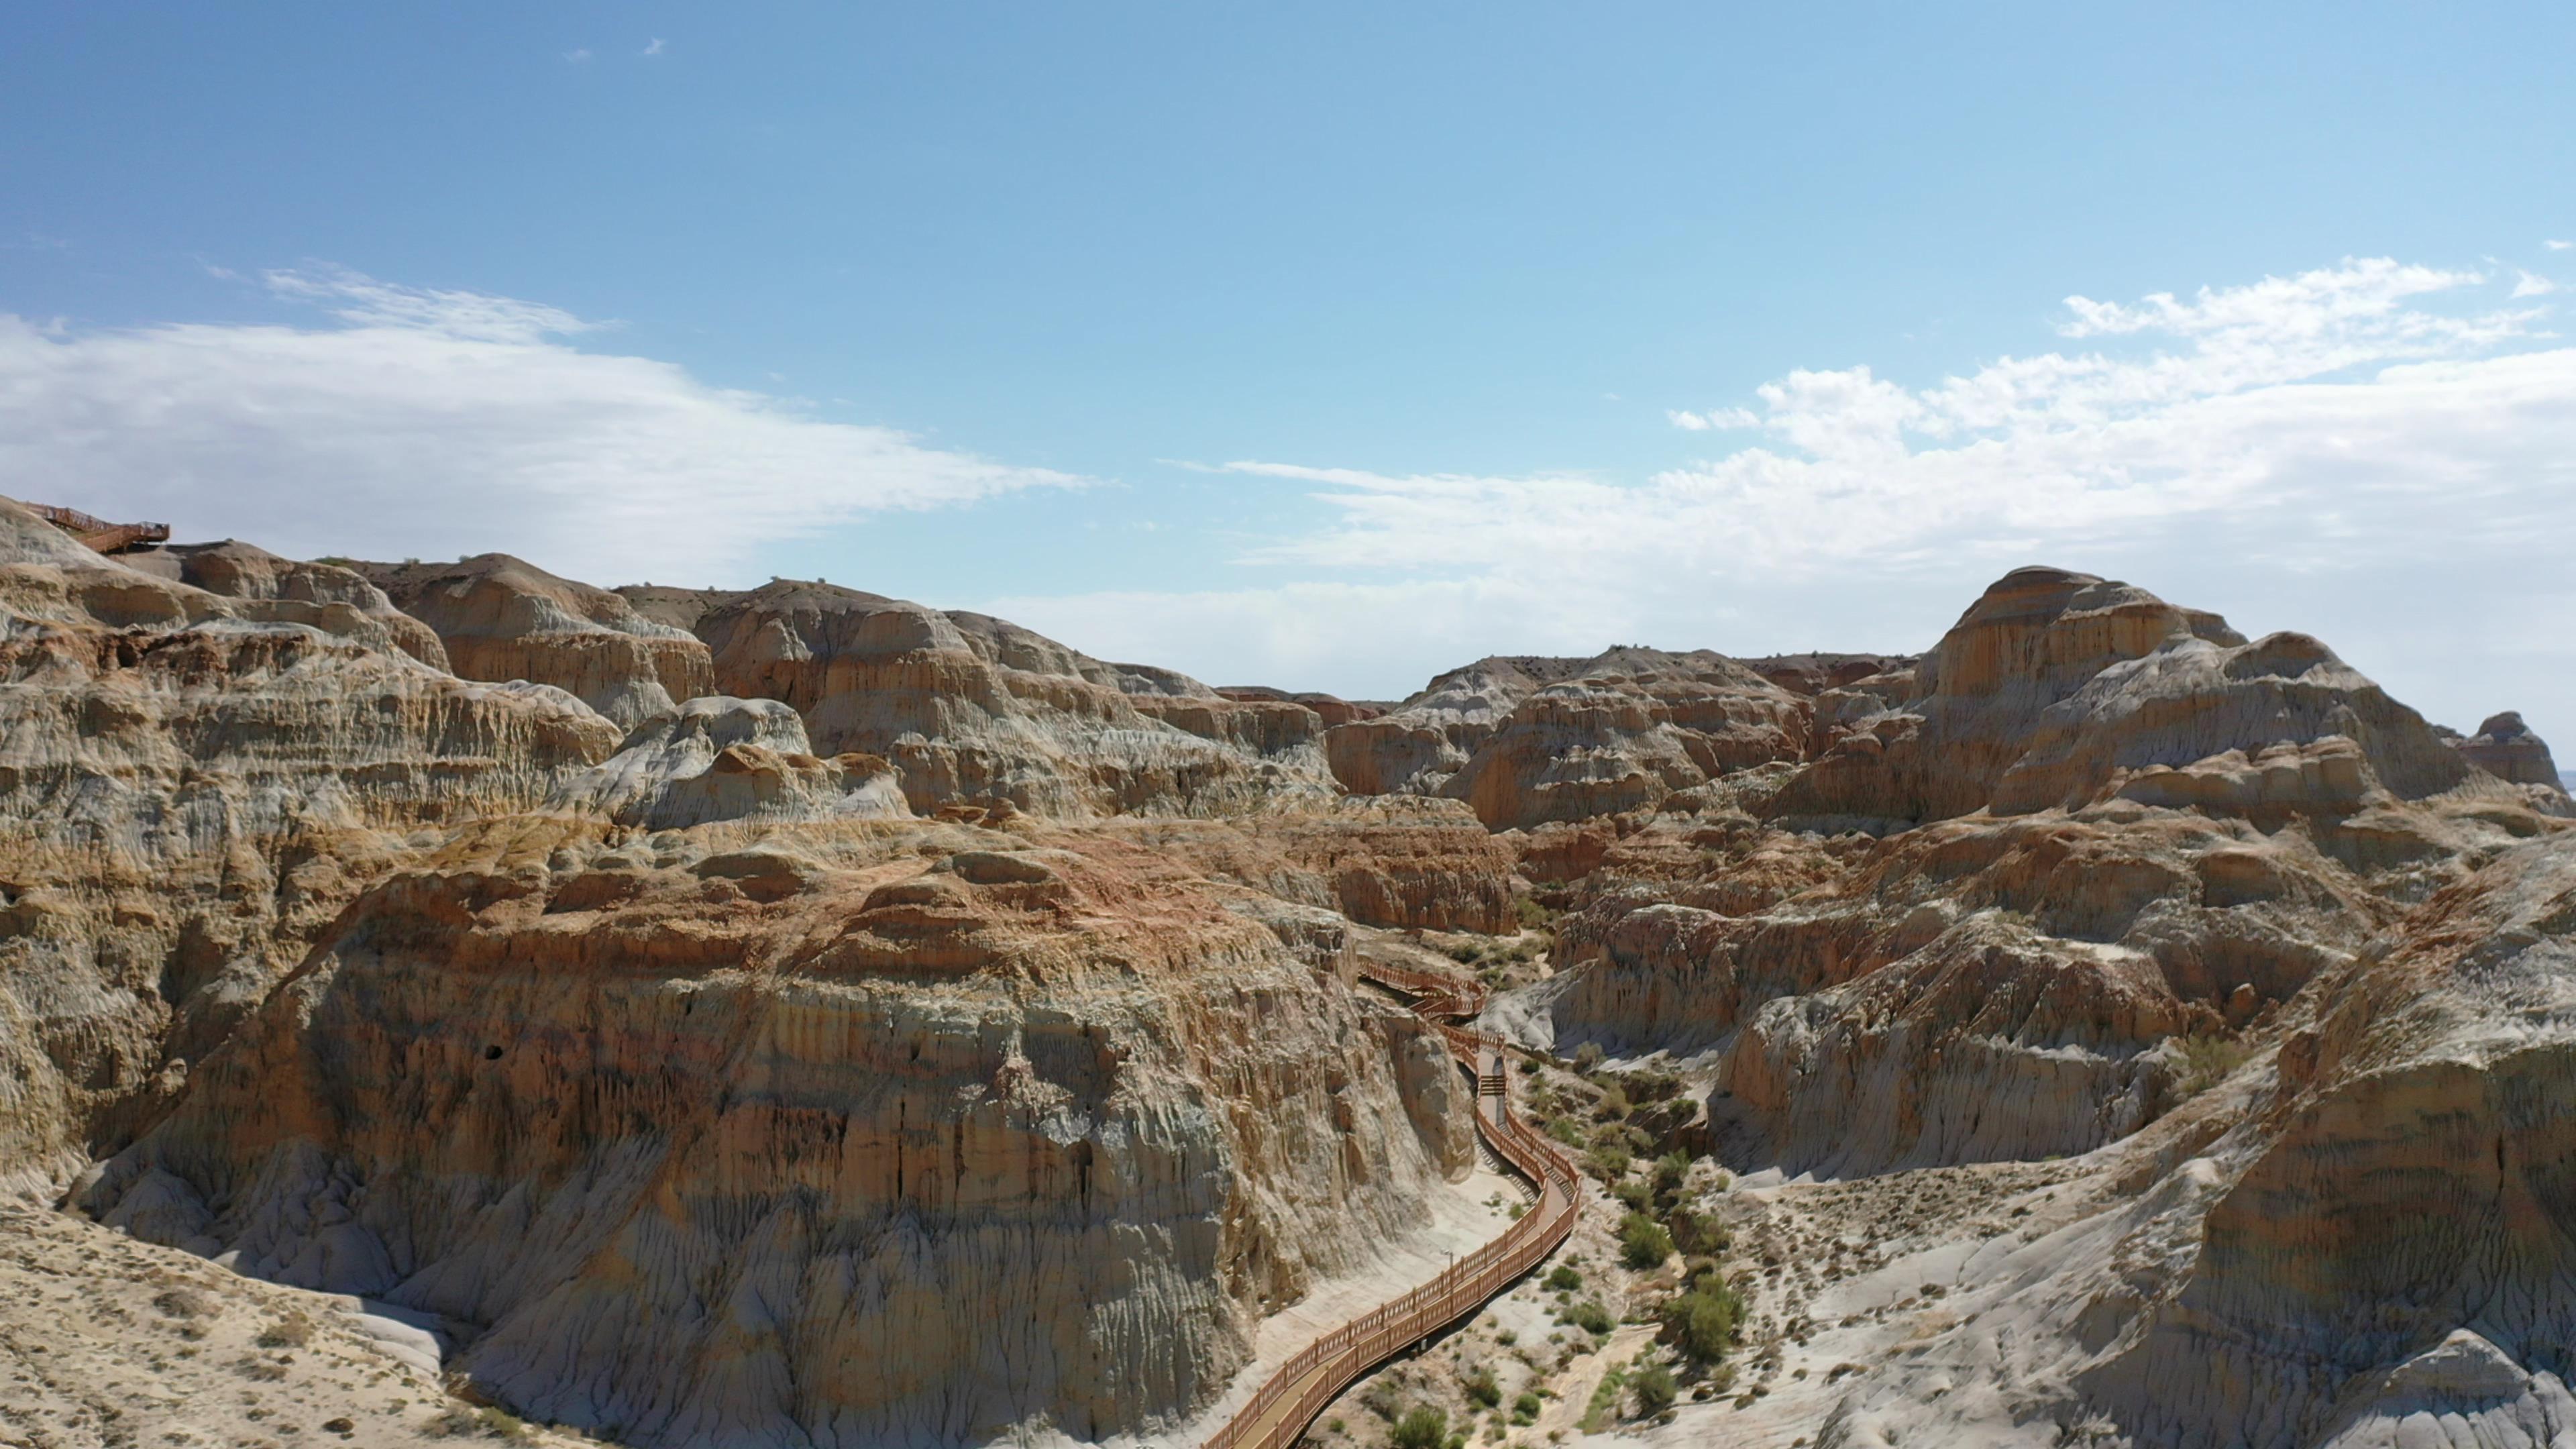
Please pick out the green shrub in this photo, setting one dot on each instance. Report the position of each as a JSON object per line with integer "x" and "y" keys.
{"x": 1635, "y": 1194}
{"x": 1608, "y": 1162}
{"x": 1588, "y": 1056}
{"x": 1654, "y": 1388}
{"x": 1591, "y": 1317}
{"x": 2207, "y": 1061}
{"x": 1670, "y": 1169}
{"x": 1703, "y": 1322}
{"x": 1525, "y": 1409}
{"x": 1563, "y": 1279}
{"x": 1481, "y": 1388}
{"x": 1643, "y": 1242}
{"x": 1422, "y": 1427}
{"x": 1612, "y": 1106}
{"x": 1697, "y": 1232}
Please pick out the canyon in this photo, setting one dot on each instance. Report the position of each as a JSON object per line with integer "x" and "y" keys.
{"x": 796, "y": 1016}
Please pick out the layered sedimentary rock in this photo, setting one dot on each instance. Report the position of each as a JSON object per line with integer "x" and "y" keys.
{"x": 1404, "y": 861}
{"x": 980, "y": 710}
{"x": 830, "y": 1134}
{"x": 2358, "y": 1239}
{"x": 1332, "y": 709}
{"x": 1932, "y": 741}
{"x": 719, "y": 758}
{"x": 633, "y": 1019}
{"x": 1530, "y": 740}
{"x": 246, "y": 571}
{"x": 502, "y": 618}
{"x": 1813, "y": 674}
{"x": 191, "y": 784}
{"x": 2154, "y": 830}
{"x": 2506, "y": 748}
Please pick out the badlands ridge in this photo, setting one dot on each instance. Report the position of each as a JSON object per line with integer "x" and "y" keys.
{"x": 436, "y": 997}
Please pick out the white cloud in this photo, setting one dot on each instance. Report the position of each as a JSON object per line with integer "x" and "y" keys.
{"x": 655, "y": 48}
{"x": 437, "y": 423}
{"x": 577, "y": 57}
{"x": 2558, "y": 246}
{"x": 2354, "y": 451}
{"x": 2528, "y": 285}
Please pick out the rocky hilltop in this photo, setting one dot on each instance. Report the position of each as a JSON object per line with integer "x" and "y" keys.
{"x": 800, "y": 1016}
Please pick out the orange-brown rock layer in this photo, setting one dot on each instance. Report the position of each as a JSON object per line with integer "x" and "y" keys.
{"x": 804, "y": 1133}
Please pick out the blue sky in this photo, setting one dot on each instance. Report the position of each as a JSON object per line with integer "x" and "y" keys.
{"x": 1333, "y": 345}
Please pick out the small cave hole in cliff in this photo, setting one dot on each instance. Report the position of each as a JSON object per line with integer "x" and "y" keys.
{"x": 491, "y": 1054}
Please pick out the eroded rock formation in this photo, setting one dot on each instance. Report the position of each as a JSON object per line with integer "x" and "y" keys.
{"x": 2506, "y": 748}
{"x": 846, "y": 1134}
{"x": 1531, "y": 740}
{"x": 192, "y": 783}
{"x": 795, "y": 1015}
{"x": 503, "y": 618}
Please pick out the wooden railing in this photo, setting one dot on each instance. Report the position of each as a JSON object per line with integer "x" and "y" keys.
{"x": 97, "y": 533}
{"x": 1284, "y": 1405}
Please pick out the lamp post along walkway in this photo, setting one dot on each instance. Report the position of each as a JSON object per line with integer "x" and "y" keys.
{"x": 1281, "y": 1409}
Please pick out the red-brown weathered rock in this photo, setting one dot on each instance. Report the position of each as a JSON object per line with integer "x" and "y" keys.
{"x": 844, "y": 1132}
{"x": 1530, "y": 740}
{"x": 1403, "y": 861}
{"x": 2389, "y": 1231}
{"x": 2506, "y": 748}
{"x": 981, "y": 710}
{"x": 2153, "y": 829}
{"x": 1331, "y": 708}
{"x": 720, "y": 758}
{"x": 240, "y": 570}
{"x": 502, "y": 618}
{"x": 191, "y": 784}
{"x": 2061, "y": 689}
{"x": 1813, "y": 674}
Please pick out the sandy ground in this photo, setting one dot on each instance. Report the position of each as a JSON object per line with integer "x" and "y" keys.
{"x": 106, "y": 1342}
{"x": 1847, "y": 1279}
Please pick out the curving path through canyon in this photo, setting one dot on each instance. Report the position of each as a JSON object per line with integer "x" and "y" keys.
{"x": 1282, "y": 1408}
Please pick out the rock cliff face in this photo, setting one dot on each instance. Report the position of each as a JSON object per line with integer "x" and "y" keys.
{"x": 2358, "y": 1238}
{"x": 191, "y": 785}
{"x": 239, "y": 570}
{"x": 969, "y": 709}
{"x": 502, "y": 618}
{"x": 718, "y": 758}
{"x": 1931, "y": 741}
{"x": 1404, "y": 861}
{"x": 1529, "y": 740}
{"x": 2506, "y": 748}
{"x": 800, "y": 1016}
{"x": 2146, "y": 830}
{"x": 836, "y": 1134}
{"x": 2387, "y": 1245}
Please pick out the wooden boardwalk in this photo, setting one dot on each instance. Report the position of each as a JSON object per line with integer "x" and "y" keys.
{"x": 99, "y": 535}
{"x": 1282, "y": 1408}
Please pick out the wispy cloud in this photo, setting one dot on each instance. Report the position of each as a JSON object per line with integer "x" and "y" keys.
{"x": 2527, "y": 284}
{"x": 655, "y": 48}
{"x": 2398, "y": 432}
{"x": 578, "y": 57}
{"x": 2280, "y": 388}
{"x": 420, "y": 421}
{"x": 2558, "y": 246}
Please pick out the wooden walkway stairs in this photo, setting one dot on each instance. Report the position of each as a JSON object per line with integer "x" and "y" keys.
{"x": 97, "y": 534}
{"x": 1282, "y": 1407}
